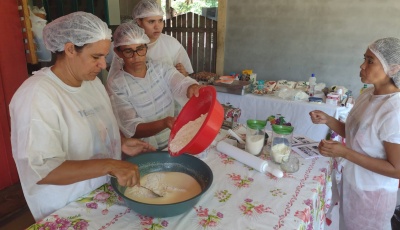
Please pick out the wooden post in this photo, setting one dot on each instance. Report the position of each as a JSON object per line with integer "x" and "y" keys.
{"x": 30, "y": 48}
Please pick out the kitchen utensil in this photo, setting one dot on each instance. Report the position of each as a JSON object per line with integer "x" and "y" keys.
{"x": 164, "y": 162}
{"x": 248, "y": 159}
{"x": 233, "y": 134}
{"x": 158, "y": 193}
{"x": 205, "y": 103}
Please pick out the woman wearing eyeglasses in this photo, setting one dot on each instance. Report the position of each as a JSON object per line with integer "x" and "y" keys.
{"x": 143, "y": 92}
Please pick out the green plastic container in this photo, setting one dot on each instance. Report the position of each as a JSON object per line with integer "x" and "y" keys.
{"x": 256, "y": 124}
{"x": 282, "y": 129}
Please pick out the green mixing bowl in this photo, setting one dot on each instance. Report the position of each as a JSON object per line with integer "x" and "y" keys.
{"x": 163, "y": 162}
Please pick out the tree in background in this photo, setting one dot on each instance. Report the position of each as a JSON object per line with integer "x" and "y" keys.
{"x": 184, "y": 6}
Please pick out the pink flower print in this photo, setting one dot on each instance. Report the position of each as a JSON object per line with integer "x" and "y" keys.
{"x": 81, "y": 225}
{"x": 234, "y": 176}
{"x": 203, "y": 222}
{"x": 212, "y": 223}
{"x": 223, "y": 195}
{"x": 207, "y": 219}
{"x": 308, "y": 202}
{"x": 248, "y": 207}
{"x": 63, "y": 223}
{"x": 145, "y": 220}
{"x": 201, "y": 212}
{"x": 259, "y": 208}
{"x": 164, "y": 223}
{"x": 92, "y": 205}
{"x": 320, "y": 179}
{"x": 101, "y": 196}
{"x": 239, "y": 182}
{"x": 303, "y": 215}
{"x": 49, "y": 226}
{"x": 246, "y": 210}
{"x": 104, "y": 212}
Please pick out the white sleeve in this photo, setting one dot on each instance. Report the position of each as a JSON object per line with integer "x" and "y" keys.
{"x": 125, "y": 113}
{"x": 177, "y": 82}
{"x": 38, "y": 132}
{"x": 182, "y": 57}
{"x": 390, "y": 129}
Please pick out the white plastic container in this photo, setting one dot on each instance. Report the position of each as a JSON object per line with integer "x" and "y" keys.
{"x": 332, "y": 98}
{"x": 312, "y": 81}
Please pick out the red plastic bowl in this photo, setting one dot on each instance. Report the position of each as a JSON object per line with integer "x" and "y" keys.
{"x": 206, "y": 102}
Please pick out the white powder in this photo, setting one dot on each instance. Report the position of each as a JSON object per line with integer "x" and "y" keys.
{"x": 254, "y": 143}
{"x": 186, "y": 134}
{"x": 280, "y": 152}
{"x": 177, "y": 187}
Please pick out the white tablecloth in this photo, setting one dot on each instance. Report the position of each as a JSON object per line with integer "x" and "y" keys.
{"x": 296, "y": 112}
{"x": 239, "y": 198}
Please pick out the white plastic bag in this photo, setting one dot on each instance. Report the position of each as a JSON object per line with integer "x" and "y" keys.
{"x": 38, "y": 24}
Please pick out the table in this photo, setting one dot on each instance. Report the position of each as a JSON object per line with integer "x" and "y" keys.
{"x": 297, "y": 112}
{"x": 239, "y": 198}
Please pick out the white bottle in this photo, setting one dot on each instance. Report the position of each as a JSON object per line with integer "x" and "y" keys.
{"x": 312, "y": 81}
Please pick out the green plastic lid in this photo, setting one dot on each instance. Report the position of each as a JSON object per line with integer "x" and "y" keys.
{"x": 256, "y": 124}
{"x": 282, "y": 129}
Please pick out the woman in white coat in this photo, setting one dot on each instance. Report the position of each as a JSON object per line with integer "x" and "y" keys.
{"x": 148, "y": 14}
{"x": 371, "y": 172}
{"x": 143, "y": 92}
{"x": 64, "y": 135}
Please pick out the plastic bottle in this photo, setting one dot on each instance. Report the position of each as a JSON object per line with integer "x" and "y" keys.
{"x": 349, "y": 101}
{"x": 363, "y": 88}
{"x": 312, "y": 81}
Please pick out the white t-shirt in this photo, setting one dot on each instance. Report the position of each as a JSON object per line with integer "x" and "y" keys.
{"x": 373, "y": 120}
{"x": 168, "y": 50}
{"x": 140, "y": 100}
{"x": 52, "y": 122}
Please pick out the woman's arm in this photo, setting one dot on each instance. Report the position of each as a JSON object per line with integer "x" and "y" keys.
{"x": 152, "y": 128}
{"x": 388, "y": 167}
{"x": 319, "y": 117}
{"x": 70, "y": 172}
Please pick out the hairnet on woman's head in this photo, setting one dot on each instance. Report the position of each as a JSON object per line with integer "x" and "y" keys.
{"x": 147, "y": 8}
{"x": 387, "y": 50}
{"x": 79, "y": 28}
{"x": 129, "y": 33}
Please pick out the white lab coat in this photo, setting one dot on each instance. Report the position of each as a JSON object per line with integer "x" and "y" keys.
{"x": 52, "y": 122}
{"x": 368, "y": 199}
{"x": 168, "y": 50}
{"x": 140, "y": 100}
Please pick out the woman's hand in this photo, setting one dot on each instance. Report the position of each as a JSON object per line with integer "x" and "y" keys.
{"x": 318, "y": 117}
{"x": 181, "y": 69}
{"x": 127, "y": 174}
{"x": 193, "y": 90}
{"x": 133, "y": 146}
{"x": 332, "y": 148}
{"x": 169, "y": 122}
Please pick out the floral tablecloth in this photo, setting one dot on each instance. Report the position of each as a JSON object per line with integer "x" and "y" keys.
{"x": 239, "y": 198}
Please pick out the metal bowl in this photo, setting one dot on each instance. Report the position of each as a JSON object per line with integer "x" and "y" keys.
{"x": 163, "y": 162}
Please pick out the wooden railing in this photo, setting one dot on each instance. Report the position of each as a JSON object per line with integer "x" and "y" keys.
{"x": 198, "y": 35}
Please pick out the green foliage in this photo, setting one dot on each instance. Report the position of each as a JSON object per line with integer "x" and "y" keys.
{"x": 196, "y": 7}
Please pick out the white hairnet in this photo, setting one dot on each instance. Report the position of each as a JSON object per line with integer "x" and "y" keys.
{"x": 79, "y": 28}
{"x": 147, "y": 8}
{"x": 129, "y": 33}
{"x": 387, "y": 50}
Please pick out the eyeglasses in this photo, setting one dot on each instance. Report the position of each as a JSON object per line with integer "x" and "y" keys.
{"x": 140, "y": 51}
